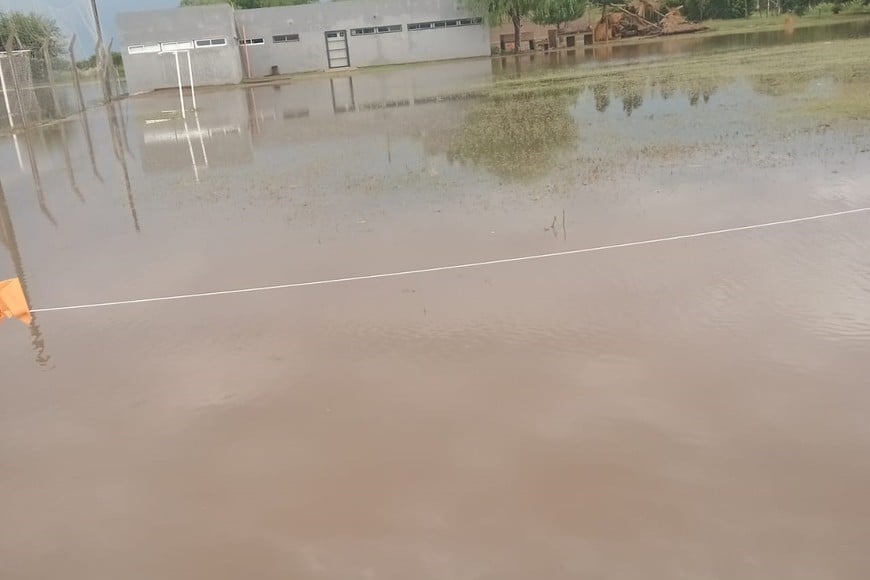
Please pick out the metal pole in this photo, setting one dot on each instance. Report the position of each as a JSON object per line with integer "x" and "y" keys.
{"x": 192, "y": 156}
{"x": 15, "y": 84}
{"x": 96, "y": 14}
{"x": 180, "y": 90}
{"x": 49, "y": 69}
{"x": 5, "y": 94}
{"x": 247, "y": 56}
{"x": 190, "y": 72}
{"x": 201, "y": 138}
{"x": 75, "y": 74}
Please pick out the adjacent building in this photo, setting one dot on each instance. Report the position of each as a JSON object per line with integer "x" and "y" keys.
{"x": 225, "y": 46}
{"x": 151, "y": 40}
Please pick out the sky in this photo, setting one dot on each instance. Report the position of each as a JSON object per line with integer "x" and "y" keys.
{"x": 74, "y": 16}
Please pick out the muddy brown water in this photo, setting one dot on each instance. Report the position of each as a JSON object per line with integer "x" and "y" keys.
{"x": 695, "y": 409}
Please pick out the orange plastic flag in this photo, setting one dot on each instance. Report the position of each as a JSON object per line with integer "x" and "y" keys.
{"x": 13, "y": 303}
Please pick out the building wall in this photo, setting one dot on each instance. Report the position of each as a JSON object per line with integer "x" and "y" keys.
{"x": 212, "y": 65}
{"x": 311, "y": 21}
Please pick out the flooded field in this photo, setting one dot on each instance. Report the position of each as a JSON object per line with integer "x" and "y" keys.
{"x": 693, "y": 408}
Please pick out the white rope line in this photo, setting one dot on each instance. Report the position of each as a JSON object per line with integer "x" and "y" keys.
{"x": 457, "y": 266}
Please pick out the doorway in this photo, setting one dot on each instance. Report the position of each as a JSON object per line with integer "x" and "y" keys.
{"x": 336, "y": 49}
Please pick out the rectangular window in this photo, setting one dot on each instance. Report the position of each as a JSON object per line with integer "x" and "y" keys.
{"x": 175, "y": 46}
{"x": 143, "y": 48}
{"x": 206, "y": 42}
{"x": 252, "y": 41}
{"x": 376, "y": 30}
{"x": 445, "y": 24}
{"x": 285, "y": 38}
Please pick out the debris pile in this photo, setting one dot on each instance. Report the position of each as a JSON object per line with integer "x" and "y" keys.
{"x": 642, "y": 18}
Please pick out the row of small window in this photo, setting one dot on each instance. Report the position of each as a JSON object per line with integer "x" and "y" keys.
{"x": 417, "y": 26}
{"x": 445, "y": 23}
{"x": 278, "y": 38}
{"x": 176, "y": 46}
{"x": 203, "y": 43}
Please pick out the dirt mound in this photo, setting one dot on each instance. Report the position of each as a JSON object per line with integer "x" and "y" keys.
{"x": 675, "y": 23}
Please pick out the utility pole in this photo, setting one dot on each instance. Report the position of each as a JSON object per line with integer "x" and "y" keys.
{"x": 103, "y": 60}
{"x": 97, "y": 22}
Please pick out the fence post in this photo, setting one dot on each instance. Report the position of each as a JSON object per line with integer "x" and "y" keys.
{"x": 15, "y": 85}
{"x": 75, "y": 73}
{"x": 5, "y": 93}
{"x": 49, "y": 71}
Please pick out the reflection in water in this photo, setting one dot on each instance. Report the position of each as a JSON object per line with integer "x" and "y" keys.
{"x": 70, "y": 172}
{"x": 602, "y": 97}
{"x": 58, "y": 110}
{"x": 118, "y": 146}
{"x": 9, "y": 239}
{"x": 517, "y": 137}
{"x": 37, "y": 179}
{"x": 777, "y": 85}
{"x": 86, "y": 127}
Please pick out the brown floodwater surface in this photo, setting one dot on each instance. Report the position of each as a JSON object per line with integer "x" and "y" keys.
{"x": 691, "y": 409}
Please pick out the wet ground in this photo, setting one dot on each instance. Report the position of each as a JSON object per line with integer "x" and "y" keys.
{"x": 692, "y": 409}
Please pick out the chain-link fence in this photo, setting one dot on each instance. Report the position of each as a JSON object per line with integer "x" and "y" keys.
{"x": 54, "y": 62}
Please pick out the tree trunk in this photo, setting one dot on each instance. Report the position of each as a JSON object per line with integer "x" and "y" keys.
{"x": 518, "y": 24}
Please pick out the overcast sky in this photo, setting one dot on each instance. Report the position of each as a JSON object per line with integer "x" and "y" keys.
{"x": 74, "y": 16}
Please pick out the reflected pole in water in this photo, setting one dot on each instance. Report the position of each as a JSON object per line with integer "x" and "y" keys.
{"x": 111, "y": 70}
{"x": 117, "y": 145}
{"x": 201, "y": 138}
{"x": 66, "y": 155}
{"x": 82, "y": 109}
{"x": 123, "y": 118}
{"x": 180, "y": 89}
{"x": 34, "y": 169}
{"x": 37, "y": 180}
{"x": 253, "y": 114}
{"x": 11, "y": 242}
{"x": 86, "y": 126}
{"x": 70, "y": 173}
{"x": 190, "y": 148}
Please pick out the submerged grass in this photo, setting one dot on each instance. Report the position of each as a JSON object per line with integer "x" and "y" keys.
{"x": 773, "y": 71}
{"x": 519, "y": 127}
{"x": 761, "y": 23}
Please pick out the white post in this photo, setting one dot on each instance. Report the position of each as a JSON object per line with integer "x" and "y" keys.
{"x": 192, "y": 156}
{"x": 5, "y": 95}
{"x": 190, "y": 73}
{"x": 18, "y": 151}
{"x": 201, "y": 138}
{"x": 180, "y": 90}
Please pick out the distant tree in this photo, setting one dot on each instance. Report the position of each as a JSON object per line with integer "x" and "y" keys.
{"x": 31, "y": 31}
{"x": 245, "y": 4}
{"x": 798, "y": 7}
{"x": 91, "y": 62}
{"x": 497, "y": 11}
{"x": 558, "y": 12}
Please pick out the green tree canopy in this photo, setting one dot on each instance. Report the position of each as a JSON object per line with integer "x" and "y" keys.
{"x": 497, "y": 11}
{"x": 31, "y": 32}
{"x": 558, "y": 12}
